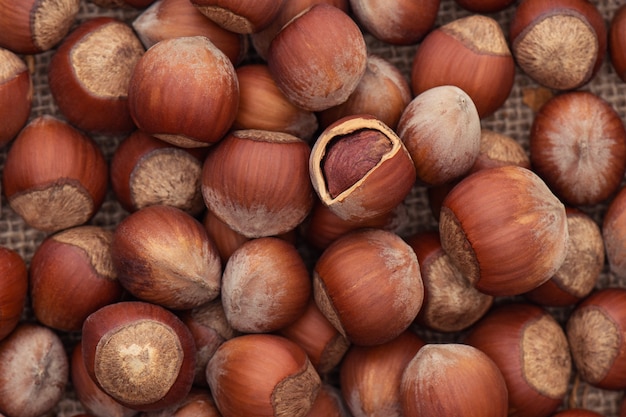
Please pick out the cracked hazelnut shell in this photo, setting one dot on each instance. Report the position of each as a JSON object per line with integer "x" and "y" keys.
{"x": 360, "y": 169}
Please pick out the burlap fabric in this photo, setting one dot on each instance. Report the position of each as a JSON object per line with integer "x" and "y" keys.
{"x": 513, "y": 119}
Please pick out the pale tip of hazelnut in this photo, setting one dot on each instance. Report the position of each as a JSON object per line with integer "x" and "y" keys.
{"x": 52, "y": 20}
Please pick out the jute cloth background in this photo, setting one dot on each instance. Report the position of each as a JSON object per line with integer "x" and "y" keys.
{"x": 513, "y": 119}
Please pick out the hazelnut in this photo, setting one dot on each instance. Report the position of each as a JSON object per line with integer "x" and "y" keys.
{"x": 164, "y": 256}
{"x": 89, "y": 74}
{"x": 166, "y": 19}
{"x": 34, "y": 26}
{"x": 471, "y": 53}
{"x": 312, "y": 331}
{"x": 140, "y": 354}
{"x": 146, "y": 171}
{"x": 13, "y": 290}
{"x": 584, "y": 262}
{"x": 367, "y": 283}
{"x": 559, "y": 44}
{"x": 265, "y": 286}
{"x": 595, "y": 332}
{"x": 291, "y": 8}
{"x": 360, "y": 169}
{"x": 34, "y": 371}
{"x": 71, "y": 276}
{"x": 504, "y": 230}
{"x": 263, "y": 106}
{"x": 531, "y": 350}
{"x": 578, "y": 146}
{"x": 61, "y": 185}
{"x": 262, "y": 374}
{"x": 370, "y": 376}
{"x": 318, "y": 58}
{"x": 240, "y": 16}
{"x": 257, "y": 182}
{"x": 201, "y": 87}
{"x": 451, "y": 379}
{"x": 383, "y": 92}
{"x": 95, "y": 401}
{"x": 441, "y": 130}
{"x": 400, "y": 22}
{"x": 16, "y": 95}
{"x": 451, "y": 303}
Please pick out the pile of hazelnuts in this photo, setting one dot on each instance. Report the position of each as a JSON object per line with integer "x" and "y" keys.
{"x": 258, "y": 268}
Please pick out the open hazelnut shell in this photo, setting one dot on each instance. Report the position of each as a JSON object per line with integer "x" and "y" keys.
{"x": 371, "y": 173}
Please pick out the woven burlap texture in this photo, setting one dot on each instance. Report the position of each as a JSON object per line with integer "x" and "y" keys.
{"x": 513, "y": 119}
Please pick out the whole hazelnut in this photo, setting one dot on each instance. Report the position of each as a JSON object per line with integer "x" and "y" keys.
{"x": 265, "y": 286}
{"x": 531, "y": 350}
{"x": 370, "y": 376}
{"x": 291, "y": 8}
{"x": 594, "y": 331}
{"x": 312, "y": 331}
{"x": 441, "y": 130}
{"x": 34, "y": 26}
{"x": 559, "y": 44}
{"x": 34, "y": 371}
{"x": 318, "y": 58}
{"x": 201, "y": 87}
{"x": 367, "y": 283}
{"x": 383, "y": 92}
{"x": 71, "y": 276}
{"x": 166, "y": 19}
{"x": 451, "y": 303}
{"x": 13, "y": 290}
{"x": 262, "y": 374}
{"x": 240, "y": 16}
{"x": 360, "y": 169}
{"x": 504, "y": 230}
{"x": 146, "y": 171}
{"x": 263, "y": 106}
{"x": 452, "y": 379}
{"x": 95, "y": 401}
{"x": 140, "y": 354}
{"x": 61, "y": 185}
{"x": 257, "y": 182}
{"x": 583, "y": 265}
{"x": 397, "y": 22}
{"x": 89, "y": 74}
{"x": 578, "y": 146}
{"x": 16, "y": 95}
{"x": 471, "y": 53}
{"x": 164, "y": 255}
